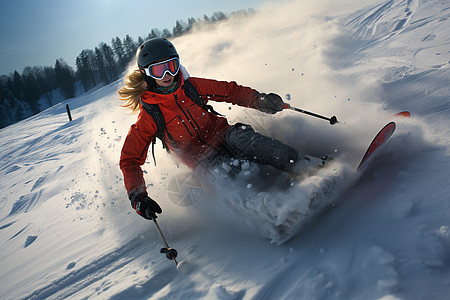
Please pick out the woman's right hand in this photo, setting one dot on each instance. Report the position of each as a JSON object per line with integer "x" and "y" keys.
{"x": 145, "y": 206}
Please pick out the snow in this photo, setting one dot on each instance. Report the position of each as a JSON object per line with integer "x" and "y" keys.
{"x": 67, "y": 229}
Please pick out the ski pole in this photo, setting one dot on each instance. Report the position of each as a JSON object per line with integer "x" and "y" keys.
{"x": 170, "y": 252}
{"x": 333, "y": 120}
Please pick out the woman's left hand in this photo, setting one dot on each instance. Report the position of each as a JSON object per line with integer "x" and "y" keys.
{"x": 270, "y": 103}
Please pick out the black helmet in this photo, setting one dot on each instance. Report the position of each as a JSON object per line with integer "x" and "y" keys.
{"x": 155, "y": 50}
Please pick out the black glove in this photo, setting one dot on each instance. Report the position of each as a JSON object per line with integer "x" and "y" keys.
{"x": 145, "y": 206}
{"x": 270, "y": 103}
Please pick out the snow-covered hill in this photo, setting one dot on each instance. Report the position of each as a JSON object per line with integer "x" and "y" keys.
{"x": 67, "y": 229}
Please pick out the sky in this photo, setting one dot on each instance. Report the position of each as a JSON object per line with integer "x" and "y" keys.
{"x": 36, "y": 33}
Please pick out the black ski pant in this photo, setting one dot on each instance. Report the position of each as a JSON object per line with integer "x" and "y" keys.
{"x": 242, "y": 142}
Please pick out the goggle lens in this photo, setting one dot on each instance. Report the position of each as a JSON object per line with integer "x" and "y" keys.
{"x": 159, "y": 70}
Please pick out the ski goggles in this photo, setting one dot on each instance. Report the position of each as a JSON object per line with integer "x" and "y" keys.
{"x": 159, "y": 70}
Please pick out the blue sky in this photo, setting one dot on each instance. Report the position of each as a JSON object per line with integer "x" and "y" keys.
{"x": 37, "y": 32}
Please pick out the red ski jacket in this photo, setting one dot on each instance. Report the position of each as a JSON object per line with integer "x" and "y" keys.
{"x": 194, "y": 132}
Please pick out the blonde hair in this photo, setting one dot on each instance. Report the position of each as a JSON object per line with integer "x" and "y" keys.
{"x": 131, "y": 92}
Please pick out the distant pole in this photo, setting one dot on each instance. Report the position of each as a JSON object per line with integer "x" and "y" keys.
{"x": 68, "y": 112}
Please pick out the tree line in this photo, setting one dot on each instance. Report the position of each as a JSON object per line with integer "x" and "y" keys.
{"x": 22, "y": 95}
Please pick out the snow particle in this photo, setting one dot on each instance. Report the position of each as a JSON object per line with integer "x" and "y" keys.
{"x": 71, "y": 265}
{"x": 30, "y": 240}
{"x": 245, "y": 165}
{"x": 444, "y": 231}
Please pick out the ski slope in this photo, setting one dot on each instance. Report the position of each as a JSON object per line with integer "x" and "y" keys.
{"x": 67, "y": 230}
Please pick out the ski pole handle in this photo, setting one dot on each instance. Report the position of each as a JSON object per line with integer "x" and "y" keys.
{"x": 333, "y": 120}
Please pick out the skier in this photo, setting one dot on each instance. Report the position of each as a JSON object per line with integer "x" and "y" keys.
{"x": 173, "y": 107}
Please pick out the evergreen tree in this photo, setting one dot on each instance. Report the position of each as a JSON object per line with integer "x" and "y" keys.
{"x": 3, "y": 91}
{"x": 10, "y": 95}
{"x": 65, "y": 78}
{"x": 179, "y": 28}
{"x": 50, "y": 78}
{"x": 30, "y": 93}
{"x": 85, "y": 69}
{"x": 43, "y": 83}
{"x": 130, "y": 48}
{"x": 140, "y": 42}
{"x": 47, "y": 81}
{"x": 101, "y": 65}
{"x": 82, "y": 72}
{"x": 17, "y": 88}
{"x": 191, "y": 23}
{"x": 15, "y": 109}
{"x": 18, "y": 112}
{"x": 32, "y": 73}
{"x": 218, "y": 16}
{"x": 4, "y": 111}
{"x": 166, "y": 33}
{"x": 154, "y": 34}
{"x": 110, "y": 62}
{"x": 119, "y": 52}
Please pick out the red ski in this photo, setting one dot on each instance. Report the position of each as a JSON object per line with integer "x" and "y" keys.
{"x": 379, "y": 140}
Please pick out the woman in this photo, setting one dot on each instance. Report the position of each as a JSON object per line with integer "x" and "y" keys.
{"x": 191, "y": 131}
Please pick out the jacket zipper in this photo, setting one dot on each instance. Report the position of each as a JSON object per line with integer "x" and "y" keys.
{"x": 187, "y": 117}
{"x": 193, "y": 120}
{"x": 194, "y": 126}
{"x": 184, "y": 124}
